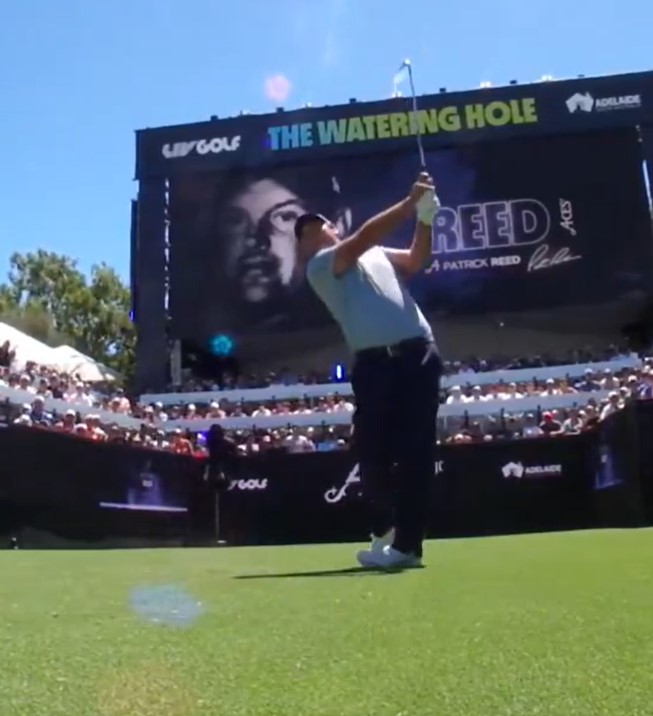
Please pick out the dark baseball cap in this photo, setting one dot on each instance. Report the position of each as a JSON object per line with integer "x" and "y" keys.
{"x": 306, "y": 219}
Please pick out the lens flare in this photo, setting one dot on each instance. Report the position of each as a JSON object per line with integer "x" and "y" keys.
{"x": 165, "y": 605}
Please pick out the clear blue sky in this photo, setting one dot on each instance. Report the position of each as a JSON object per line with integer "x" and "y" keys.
{"x": 79, "y": 76}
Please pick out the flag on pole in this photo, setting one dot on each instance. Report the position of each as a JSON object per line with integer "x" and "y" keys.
{"x": 400, "y": 77}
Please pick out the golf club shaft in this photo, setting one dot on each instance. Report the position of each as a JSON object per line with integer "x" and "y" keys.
{"x": 418, "y": 134}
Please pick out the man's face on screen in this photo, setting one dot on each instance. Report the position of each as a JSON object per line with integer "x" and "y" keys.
{"x": 261, "y": 252}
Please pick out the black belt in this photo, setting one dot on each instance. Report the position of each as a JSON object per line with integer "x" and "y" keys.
{"x": 396, "y": 349}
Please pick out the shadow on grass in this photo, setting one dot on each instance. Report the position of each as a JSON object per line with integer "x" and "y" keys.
{"x": 350, "y": 572}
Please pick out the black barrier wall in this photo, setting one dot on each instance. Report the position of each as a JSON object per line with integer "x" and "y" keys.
{"x": 643, "y": 456}
{"x": 90, "y": 492}
{"x": 618, "y": 497}
{"x": 479, "y": 489}
{"x": 602, "y": 478}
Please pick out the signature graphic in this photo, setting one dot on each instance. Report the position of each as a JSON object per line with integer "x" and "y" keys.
{"x": 544, "y": 258}
{"x": 567, "y": 216}
{"x": 335, "y": 494}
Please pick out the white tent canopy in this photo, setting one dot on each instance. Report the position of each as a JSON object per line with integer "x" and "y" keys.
{"x": 72, "y": 361}
{"x": 27, "y": 348}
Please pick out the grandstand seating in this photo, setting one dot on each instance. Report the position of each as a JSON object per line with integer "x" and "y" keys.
{"x": 343, "y": 417}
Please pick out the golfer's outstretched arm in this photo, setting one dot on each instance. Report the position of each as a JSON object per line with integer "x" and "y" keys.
{"x": 374, "y": 230}
{"x": 371, "y": 233}
{"x": 415, "y": 259}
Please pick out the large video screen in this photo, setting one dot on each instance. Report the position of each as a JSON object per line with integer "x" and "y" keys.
{"x": 525, "y": 224}
{"x": 146, "y": 489}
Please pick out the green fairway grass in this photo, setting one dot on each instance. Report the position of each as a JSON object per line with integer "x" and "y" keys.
{"x": 558, "y": 624}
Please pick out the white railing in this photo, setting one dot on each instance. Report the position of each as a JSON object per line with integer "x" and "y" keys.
{"x": 343, "y": 417}
{"x": 19, "y": 397}
{"x": 290, "y": 392}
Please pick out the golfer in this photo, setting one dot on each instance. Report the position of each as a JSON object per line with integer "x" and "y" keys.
{"x": 396, "y": 370}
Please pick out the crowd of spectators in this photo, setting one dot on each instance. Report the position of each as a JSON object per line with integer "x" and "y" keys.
{"x": 89, "y": 408}
{"x": 285, "y": 376}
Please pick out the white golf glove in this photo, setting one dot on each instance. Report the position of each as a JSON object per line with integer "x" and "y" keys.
{"x": 427, "y": 207}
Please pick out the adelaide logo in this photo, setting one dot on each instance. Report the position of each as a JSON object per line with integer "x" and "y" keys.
{"x": 517, "y": 471}
{"x": 584, "y": 102}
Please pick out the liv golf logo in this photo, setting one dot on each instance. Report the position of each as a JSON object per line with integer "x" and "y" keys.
{"x": 248, "y": 485}
{"x": 201, "y": 147}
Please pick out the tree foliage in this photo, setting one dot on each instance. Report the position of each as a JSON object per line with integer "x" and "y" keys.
{"x": 50, "y": 299}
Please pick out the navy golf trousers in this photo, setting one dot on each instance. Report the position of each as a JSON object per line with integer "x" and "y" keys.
{"x": 397, "y": 397}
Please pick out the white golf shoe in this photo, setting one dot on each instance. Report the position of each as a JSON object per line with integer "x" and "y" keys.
{"x": 378, "y": 543}
{"x": 387, "y": 558}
